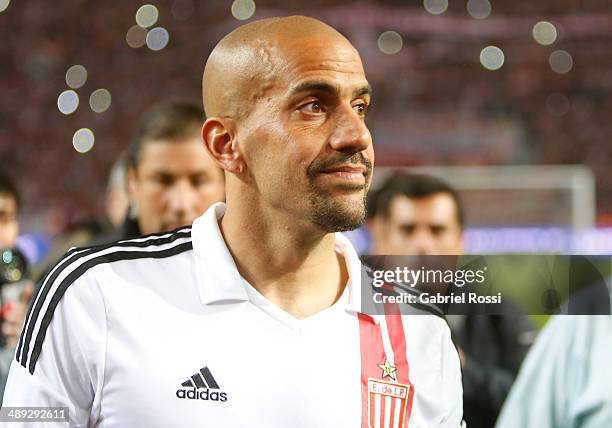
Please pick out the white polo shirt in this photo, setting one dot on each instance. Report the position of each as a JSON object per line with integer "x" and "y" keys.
{"x": 162, "y": 331}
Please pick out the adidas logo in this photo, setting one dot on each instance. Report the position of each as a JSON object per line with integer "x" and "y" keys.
{"x": 201, "y": 386}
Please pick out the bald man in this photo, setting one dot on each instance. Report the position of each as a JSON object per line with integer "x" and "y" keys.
{"x": 258, "y": 303}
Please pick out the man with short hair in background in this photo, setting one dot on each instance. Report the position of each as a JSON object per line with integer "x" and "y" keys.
{"x": 418, "y": 214}
{"x": 170, "y": 179}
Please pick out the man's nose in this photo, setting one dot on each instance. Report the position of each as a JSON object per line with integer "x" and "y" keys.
{"x": 424, "y": 243}
{"x": 350, "y": 135}
{"x": 182, "y": 198}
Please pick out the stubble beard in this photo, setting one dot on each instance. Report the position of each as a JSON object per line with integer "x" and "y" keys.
{"x": 332, "y": 215}
{"x": 329, "y": 212}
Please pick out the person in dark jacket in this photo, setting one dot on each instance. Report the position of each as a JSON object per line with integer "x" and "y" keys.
{"x": 422, "y": 215}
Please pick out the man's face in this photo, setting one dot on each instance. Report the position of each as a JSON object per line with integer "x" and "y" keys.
{"x": 307, "y": 148}
{"x": 420, "y": 226}
{"x": 9, "y": 227}
{"x": 173, "y": 183}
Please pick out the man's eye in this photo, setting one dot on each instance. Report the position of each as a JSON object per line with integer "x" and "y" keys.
{"x": 312, "y": 107}
{"x": 164, "y": 180}
{"x": 361, "y": 109}
{"x": 199, "y": 180}
{"x": 407, "y": 229}
{"x": 437, "y": 230}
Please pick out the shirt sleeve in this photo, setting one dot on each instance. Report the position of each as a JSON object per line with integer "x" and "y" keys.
{"x": 59, "y": 360}
{"x": 538, "y": 397}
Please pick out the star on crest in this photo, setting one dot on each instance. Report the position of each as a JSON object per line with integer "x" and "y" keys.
{"x": 388, "y": 370}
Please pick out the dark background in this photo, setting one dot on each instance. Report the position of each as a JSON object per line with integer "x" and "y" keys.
{"x": 434, "y": 104}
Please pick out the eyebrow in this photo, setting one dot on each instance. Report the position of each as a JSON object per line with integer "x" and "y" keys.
{"x": 321, "y": 86}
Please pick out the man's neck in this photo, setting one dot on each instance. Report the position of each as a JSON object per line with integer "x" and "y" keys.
{"x": 294, "y": 266}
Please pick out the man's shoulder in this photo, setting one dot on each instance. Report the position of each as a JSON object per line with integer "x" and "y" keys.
{"x": 138, "y": 251}
{"x": 71, "y": 284}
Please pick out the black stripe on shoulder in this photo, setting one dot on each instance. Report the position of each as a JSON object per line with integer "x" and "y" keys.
{"x": 145, "y": 240}
{"x": 71, "y": 257}
{"x": 69, "y": 280}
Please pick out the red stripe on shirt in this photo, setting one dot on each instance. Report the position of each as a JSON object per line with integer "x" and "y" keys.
{"x": 372, "y": 354}
{"x": 392, "y": 410}
{"x": 395, "y": 327}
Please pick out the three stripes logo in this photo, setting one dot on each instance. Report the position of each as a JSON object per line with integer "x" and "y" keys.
{"x": 201, "y": 386}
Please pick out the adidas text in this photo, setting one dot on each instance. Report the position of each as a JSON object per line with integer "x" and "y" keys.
{"x": 201, "y": 394}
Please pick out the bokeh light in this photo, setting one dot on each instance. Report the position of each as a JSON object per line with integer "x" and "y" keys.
{"x": 544, "y": 33}
{"x": 157, "y": 38}
{"x": 243, "y": 9}
{"x": 557, "y": 104}
{"x": 136, "y": 37}
{"x": 83, "y": 140}
{"x": 492, "y": 58}
{"x": 390, "y": 42}
{"x": 7, "y": 256}
{"x": 561, "y": 61}
{"x": 146, "y": 15}
{"x": 435, "y": 7}
{"x": 182, "y": 9}
{"x": 100, "y": 100}
{"x": 68, "y": 101}
{"x": 4, "y": 4}
{"x": 76, "y": 76}
{"x": 479, "y": 9}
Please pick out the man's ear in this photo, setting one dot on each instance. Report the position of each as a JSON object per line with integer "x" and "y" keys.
{"x": 131, "y": 183}
{"x": 219, "y": 137}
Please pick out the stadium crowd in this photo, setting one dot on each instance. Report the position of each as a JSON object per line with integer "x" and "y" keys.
{"x": 443, "y": 109}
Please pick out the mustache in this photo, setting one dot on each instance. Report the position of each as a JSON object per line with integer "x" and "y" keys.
{"x": 319, "y": 165}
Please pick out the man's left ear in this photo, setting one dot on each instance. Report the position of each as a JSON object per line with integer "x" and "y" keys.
{"x": 131, "y": 183}
{"x": 219, "y": 137}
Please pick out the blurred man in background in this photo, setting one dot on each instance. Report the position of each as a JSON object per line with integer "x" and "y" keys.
{"x": 9, "y": 203}
{"x": 416, "y": 214}
{"x": 422, "y": 215}
{"x": 170, "y": 180}
{"x": 15, "y": 289}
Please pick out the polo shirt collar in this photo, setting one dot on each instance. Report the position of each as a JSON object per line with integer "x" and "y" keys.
{"x": 218, "y": 277}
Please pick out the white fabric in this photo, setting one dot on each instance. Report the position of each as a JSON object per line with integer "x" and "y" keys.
{"x": 127, "y": 334}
